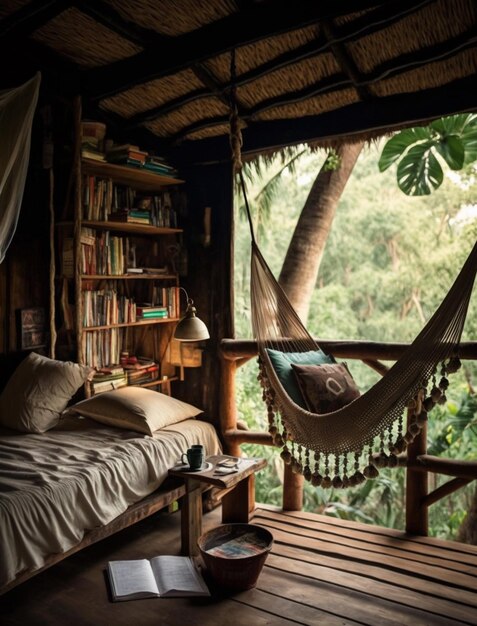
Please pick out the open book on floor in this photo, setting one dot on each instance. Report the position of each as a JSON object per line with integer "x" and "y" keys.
{"x": 159, "y": 577}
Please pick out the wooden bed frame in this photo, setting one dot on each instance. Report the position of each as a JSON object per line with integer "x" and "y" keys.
{"x": 161, "y": 498}
{"x": 170, "y": 491}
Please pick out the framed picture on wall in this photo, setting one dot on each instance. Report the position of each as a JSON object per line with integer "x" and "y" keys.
{"x": 32, "y": 329}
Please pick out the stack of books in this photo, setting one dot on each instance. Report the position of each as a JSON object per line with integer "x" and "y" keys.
{"x": 151, "y": 312}
{"x": 92, "y": 135}
{"x": 109, "y": 378}
{"x": 131, "y": 216}
{"x": 127, "y": 154}
{"x": 159, "y": 165}
{"x": 144, "y": 370}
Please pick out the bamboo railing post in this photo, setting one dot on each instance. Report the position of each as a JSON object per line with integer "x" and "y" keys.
{"x": 417, "y": 518}
{"x": 228, "y": 409}
{"x": 292, "y": 490}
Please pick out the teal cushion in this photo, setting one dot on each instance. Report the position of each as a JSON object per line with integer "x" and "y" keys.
{"x": 282, "y": 364}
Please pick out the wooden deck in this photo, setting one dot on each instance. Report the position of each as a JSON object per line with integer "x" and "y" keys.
{"x": 321, "y": 571}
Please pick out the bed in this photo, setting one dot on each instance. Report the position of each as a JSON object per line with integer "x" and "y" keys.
{"x": 88, "y": 469}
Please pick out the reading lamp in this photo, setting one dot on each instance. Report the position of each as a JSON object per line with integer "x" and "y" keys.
{"x": 190, "y": 328}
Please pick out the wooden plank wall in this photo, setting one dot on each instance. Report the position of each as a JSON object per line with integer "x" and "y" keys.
{"x": 209, "y": 278}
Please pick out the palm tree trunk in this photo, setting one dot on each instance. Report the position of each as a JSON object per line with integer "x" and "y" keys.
{"x": 302, "y": 262}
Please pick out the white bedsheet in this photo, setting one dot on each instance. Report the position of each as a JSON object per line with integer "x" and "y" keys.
{"x": 57, "y": 485}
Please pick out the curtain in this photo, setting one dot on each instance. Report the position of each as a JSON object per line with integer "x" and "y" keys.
{"x": 17, "y": 107}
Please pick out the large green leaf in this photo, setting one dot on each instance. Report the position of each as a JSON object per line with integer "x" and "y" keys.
{"x": 451, "y": 125}
{"x": 452, "y": 150}
{"x": 419, "y": 171}
{"x": 400, "y": 143}
{"x": 470, "y": 144}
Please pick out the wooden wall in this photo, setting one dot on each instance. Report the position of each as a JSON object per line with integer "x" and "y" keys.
{"x": 24, "y": 275}
{"x": 24, "y": 272}
{"x": 209, "y": 279}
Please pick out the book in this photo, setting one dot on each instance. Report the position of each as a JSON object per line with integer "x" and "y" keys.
{"x": 108, "y": 385}
{"x": 141, "y": 309}
{"x": 159, "y": 577}
{"x": 90, "y": 153}
{"x": 111, "y": 369}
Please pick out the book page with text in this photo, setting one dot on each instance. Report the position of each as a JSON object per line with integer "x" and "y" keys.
{"x": 177, "y": 575}
{"x": 132, "y": 579}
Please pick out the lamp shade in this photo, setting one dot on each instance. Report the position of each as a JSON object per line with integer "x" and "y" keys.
{"x": 191, "y": 328}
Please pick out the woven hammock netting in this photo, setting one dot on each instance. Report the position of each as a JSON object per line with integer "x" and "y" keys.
{"x": 345, "y": 447}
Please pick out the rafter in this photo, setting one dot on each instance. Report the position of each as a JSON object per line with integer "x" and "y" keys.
{"x": 107, "y": 16}
{"x": 220, "y": 36}
{"x": 393, "y": 67}
{"x": 350, "y": 31}
{"x": 344, "y": 60}
{"x": 30, "y": 17}
{"x": 335, "y": 82}
{"x": 360, "y": 117}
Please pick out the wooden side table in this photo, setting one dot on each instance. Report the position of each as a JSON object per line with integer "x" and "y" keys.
{"x": 237, "y": 502}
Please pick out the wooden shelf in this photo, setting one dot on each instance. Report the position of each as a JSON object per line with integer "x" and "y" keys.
{"x": 139, "y": 229}
{"x": 148, "y": 322}
{"x": 128, "y": 277}
{"x": 158, "y": 381}
{"x": 125, "y": 227}
{"x": 145, "y": 180}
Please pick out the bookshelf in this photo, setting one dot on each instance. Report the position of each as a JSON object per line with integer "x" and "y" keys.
{"x": 120, "y": 275}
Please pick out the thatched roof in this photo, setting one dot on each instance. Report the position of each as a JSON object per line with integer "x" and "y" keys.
{"x": 161, "y": 70}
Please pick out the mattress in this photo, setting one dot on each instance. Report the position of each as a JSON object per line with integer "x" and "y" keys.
{"x": 79, "y": 476}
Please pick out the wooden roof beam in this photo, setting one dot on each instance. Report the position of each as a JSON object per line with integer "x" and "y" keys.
{"x": 30, "y": 17}
{"x": 394, "y": 67}
{"x": 104, "y": 14}
{"x": 344, "y": 60}
{"x": 211, "y": 40}
{"x": 148, "y": 39}
{"x": 362, "y": 117}
{"x": 349, "y": 31}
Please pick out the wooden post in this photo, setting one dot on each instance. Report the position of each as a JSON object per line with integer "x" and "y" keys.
{"x": 292, "y": 490}
{"x": 416, "y": 488}
{"x": 191, "y": 518}
{"x": 228, "y": 410}
{"x": 238, "y": 503}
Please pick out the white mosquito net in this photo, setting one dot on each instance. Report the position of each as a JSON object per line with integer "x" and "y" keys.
{"x": 17, "y": 107}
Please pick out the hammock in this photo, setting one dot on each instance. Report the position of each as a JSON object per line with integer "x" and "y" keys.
{"x": 344, "y": 447}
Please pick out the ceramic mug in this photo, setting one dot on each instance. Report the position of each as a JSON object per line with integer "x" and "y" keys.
{"x": 194, "y": 456}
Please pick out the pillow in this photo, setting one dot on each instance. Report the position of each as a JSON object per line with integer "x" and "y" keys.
{"x": 282, "y": 364}
{"x": 134, "y": 408}
{"x": 326, "y": 388}
{"x": 39, "y": 391}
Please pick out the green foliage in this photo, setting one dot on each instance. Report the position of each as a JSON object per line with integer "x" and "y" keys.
{"x": 332, "y": 161}
{"x": 417, "y": 150}
{"x": 389, "y": 261}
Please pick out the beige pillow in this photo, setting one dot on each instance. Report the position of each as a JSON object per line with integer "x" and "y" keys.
{"x": 135, "y": 408}
{"x": 39, "y": 391}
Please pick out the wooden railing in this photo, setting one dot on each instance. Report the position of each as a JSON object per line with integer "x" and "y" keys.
{"x": 418, "y": 463}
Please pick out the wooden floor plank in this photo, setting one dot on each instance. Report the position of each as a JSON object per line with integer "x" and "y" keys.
{"x": 379, "y": 543}
{"x": 305, "y": 581}
{"x": 373, "y": 590}
{"x": 455, "y": 560}
{"x": 291, "y": 609}
{"x": 352, "y": 549}
{"x": 453, "y": 547}
{"x": 343, "y": 602}
{"x": 399, "y": 583}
